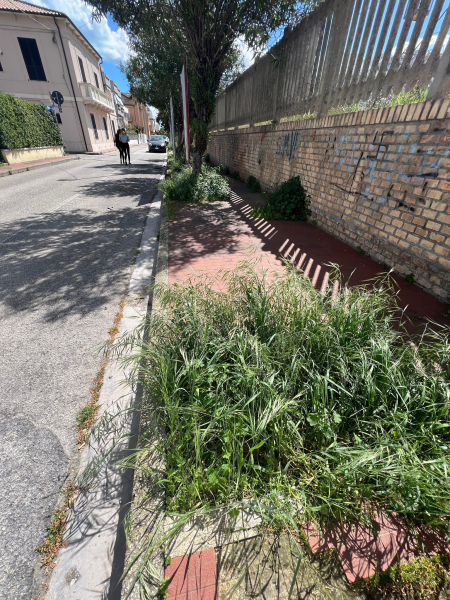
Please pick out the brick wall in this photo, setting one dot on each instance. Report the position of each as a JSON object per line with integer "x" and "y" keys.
{"x": 378, "y": 179}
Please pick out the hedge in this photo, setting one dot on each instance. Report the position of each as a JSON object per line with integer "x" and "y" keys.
{"x": 26, "y": 124}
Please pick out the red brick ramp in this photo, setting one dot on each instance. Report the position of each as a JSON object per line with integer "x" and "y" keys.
{"x": 193, "y": 577}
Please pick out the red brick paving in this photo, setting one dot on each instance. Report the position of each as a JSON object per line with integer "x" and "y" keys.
{"x": 364, "y": 551}
{"x": 211, "y": 237}
{"x": 193, "y": 577}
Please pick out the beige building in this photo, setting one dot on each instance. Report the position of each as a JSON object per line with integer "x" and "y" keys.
{"x": 42, "y": 52}
{"x": 138, "y": 114}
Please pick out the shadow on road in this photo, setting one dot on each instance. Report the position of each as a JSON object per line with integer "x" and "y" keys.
{"x": 73, "y": 261}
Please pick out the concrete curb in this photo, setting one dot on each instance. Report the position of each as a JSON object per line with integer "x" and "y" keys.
{"x": 91, "y": 565}
{"x": 13, "y": 171}
{"x": 146, "y": 511}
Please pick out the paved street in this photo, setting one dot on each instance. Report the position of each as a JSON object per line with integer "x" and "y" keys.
{"x": 68, "y": 240}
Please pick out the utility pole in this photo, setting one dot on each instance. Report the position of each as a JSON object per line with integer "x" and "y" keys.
{"x": 172, "y": 128}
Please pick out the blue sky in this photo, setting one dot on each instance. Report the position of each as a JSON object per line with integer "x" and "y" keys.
{"x": 106, "y": 37}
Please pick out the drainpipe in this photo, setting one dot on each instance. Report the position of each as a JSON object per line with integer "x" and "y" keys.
{"x": 71, "y": 84}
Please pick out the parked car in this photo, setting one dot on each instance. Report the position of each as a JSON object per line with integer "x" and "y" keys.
{"x": 157, "y": 142}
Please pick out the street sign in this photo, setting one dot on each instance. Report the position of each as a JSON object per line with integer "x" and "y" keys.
{"x": 57, "y": 98}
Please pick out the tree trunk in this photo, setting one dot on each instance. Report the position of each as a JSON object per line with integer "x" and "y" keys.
{"x": 197, "y": 162}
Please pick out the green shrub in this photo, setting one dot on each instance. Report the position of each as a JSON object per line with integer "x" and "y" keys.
{"x": 26, "y": 124}
{"x": 207, "y": 158}
{"x": 288, "y": 201}
{"x": 253, "y": 184}
{"x": 235, "y": 175}
{"x": 227, "y": 170}
{"x": 183, "y": 186}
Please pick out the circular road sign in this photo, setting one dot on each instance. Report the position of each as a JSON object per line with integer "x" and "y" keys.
{"x": 57, "y": 98}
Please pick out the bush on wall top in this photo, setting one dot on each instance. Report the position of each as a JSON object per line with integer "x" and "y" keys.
{"x": 26, "y": 124}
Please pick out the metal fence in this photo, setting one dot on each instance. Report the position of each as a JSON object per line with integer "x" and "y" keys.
{"x": 344, "y": 52}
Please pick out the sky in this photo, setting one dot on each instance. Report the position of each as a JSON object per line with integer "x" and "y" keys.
{"x": 106, "y": 37}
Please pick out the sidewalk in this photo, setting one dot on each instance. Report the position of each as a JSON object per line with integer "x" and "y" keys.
{"x": 35, "y": 164}
{"x": 210, "y": 237}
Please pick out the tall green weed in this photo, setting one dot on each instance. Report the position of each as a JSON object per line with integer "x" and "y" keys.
{"x": 184, "y": 186}
{"x": 317, "y": 403}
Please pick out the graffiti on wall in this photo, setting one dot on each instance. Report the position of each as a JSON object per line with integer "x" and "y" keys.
{"x": 287, "y": 145}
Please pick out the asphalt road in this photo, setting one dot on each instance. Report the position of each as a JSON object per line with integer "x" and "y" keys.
{"x": 68, "y": 241}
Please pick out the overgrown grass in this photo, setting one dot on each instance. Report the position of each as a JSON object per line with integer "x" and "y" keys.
{"x": 417, "y": 94}
{"x": 318, "y": 405}
{"x": 183, "y": 186}
{"x": 303, "y": 117}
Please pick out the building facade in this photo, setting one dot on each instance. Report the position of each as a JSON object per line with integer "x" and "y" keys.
{"x": 138, "y": 114}
{"x": 118, "y": 104}
{"x": 43, "y": 52}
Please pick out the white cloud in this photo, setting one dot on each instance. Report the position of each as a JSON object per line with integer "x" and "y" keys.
{"x": 112, "y": 45}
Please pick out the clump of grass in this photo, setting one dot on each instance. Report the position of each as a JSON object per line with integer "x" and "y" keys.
{"x": 54, "y": 539}
{"x": 410, "y": 278}
{"x": 184, "y": 186}
{"x": 88, "y": 414}
{"x": 420, "y": 579}
{"x": 417, "y": 94}
{"x": 289, "y": 200}
{"x": 360, "y": 250}
{"x": 253, "y": 184}
{"x": 303, "y": 117}
{"x": 278, "y": 392}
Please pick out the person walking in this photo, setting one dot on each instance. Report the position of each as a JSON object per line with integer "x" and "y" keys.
{"x": 124, "y": 140}
{"x": 118, "y": 145}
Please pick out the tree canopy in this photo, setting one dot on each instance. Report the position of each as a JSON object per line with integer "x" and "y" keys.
{"x": 205, "y": 31}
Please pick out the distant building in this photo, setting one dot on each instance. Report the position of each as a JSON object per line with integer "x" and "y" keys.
{"x": 138, "y": 113}
{"x": 151, "y": 121}
{"x": 41, "y": 52}
{"x": 118, "y": 104}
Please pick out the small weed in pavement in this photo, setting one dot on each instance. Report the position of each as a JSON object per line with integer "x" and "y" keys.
{"x": 88, "y": 414}
{"x": 360, "y": 250}
{"x": 54, "y": 540}
{"x": 410, "y": 278}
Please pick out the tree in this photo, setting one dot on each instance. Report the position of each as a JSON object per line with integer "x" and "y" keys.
{"x": 206, "y": 30}
{"x": 153, "y": 72}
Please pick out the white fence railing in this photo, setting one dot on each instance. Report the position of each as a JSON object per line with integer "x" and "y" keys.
{"x": 343, "y": 52}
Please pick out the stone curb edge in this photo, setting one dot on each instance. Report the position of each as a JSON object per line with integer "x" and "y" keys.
{"x": 88, "y": 566}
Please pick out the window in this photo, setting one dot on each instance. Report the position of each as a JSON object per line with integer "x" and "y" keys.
{"x": 96, "y": 80}
{"x": 83, "y": 74}
{"x": 32, "y": 59}
{"x": 58, "y": 118}
{"x": 1, "y": 68}
{"x": 94, "y": 126}
{"x": 113, "y": 127}
{"x": 106, "y": 128}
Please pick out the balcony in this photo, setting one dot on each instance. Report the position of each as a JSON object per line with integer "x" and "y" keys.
{"x": 93, "y": 95}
